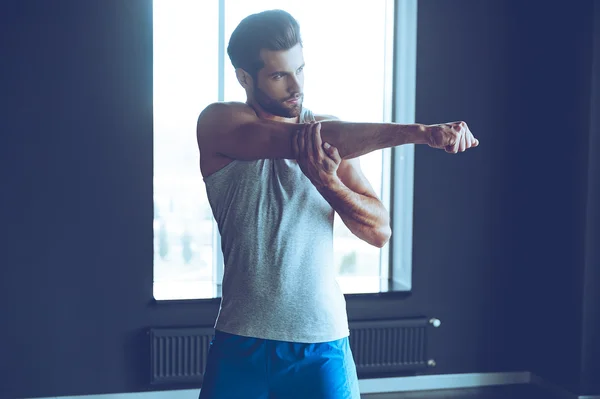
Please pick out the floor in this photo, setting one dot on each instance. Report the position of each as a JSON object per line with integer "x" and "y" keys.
{"x": 525, "y": 391}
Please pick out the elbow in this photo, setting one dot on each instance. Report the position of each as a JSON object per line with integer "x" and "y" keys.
{"x": 382, "y": 236}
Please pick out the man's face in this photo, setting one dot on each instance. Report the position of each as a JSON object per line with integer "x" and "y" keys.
{"x": 278, "y": 87}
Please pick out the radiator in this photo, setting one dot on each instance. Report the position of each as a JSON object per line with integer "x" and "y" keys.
{"x": 387, "y": 346}
{"x": 178, "y": 355}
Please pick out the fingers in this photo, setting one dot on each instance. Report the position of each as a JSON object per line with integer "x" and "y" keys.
{"x": 317, "y": 141}
{"x": 332, "y": 152}
{"x": 325, "y": 149}
{"x": 463, "y": 139}
{"x": 295, "y": 151}
{"x": 454, "y": 137}
{"x": 456, "y": 145}
{"x": 469, "y": 139}
{"x": 301, "y": 140}
{"x": 309, "y": 142}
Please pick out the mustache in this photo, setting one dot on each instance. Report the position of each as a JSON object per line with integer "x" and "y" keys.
{"x": 294, "y": 97}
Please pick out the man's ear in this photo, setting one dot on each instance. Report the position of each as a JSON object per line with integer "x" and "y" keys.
{"x": 244, "y": 78}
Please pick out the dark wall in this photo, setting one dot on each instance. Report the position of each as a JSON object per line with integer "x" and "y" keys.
{"x": 76, "y": 204}
{"x": 76, "y": 168}
{"x": 549, "y": 172}
{"x": 461, "y": 226}
{"x": 591, "y": 295}
{"x": 506, "y": 223}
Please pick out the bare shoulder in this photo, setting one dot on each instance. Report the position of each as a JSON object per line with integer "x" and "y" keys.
{"x": 223, "y": 114}
{"x": 225, "y": 106}
{"x": 220, "y": 118}
{"x": 215, "y": 123}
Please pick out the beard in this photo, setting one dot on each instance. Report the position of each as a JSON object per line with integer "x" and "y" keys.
{"x": 278, "y": 107}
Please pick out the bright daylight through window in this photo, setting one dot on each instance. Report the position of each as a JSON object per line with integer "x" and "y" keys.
{"x": 348, "y": 74}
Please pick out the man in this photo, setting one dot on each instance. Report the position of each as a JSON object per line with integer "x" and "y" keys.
{"x": 275, "y": 175}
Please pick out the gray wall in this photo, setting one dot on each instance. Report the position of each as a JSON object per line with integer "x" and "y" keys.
{"x": 489, "y": 225}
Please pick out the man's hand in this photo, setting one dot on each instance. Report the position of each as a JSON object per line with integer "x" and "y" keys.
{"x": 342, "y": 185}
{"x": 319, "y": 161}
{"x": 452, "y": 137}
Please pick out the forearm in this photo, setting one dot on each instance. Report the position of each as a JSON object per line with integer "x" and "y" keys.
{"x": 268, "y": 139}
{"x": 355, "y": 139}
{"x": 365, "y": 217}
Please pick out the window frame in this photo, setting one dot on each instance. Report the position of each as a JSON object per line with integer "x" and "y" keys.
{"x": 403, "y": 157}
{"x": 398, "y": 163}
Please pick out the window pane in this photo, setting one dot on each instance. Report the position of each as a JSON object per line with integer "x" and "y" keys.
{"x": 344, "y": 50}
{"x": 185, "y": 81}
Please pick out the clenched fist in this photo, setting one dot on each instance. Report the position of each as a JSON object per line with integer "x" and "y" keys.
{"x": 452, "y": 137}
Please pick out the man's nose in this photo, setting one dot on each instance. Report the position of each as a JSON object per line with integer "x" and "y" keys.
{"x": 293, "y": 85}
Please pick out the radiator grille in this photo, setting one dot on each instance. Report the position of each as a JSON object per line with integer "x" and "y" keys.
{"x": 390, "y": 345}
{"x": 178, "y": 355}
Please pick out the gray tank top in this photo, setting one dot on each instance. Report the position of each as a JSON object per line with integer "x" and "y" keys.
{"x": 277, "y": 240}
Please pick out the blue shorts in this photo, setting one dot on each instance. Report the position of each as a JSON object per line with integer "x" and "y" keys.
{"x": 251, "y": 368}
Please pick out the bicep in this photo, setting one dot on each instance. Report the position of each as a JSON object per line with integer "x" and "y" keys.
{"x": 351, "y": 174}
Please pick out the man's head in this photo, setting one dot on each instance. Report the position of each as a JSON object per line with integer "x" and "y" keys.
{"x": 266, "y": 52}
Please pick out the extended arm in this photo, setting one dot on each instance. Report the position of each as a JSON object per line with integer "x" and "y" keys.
{"x": 234, "y": 131}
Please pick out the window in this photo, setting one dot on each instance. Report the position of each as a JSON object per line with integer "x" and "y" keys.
{"x": 348, "y": 74}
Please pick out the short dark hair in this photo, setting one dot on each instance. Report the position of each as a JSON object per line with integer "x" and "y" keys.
{"x": 273, "y": 30}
